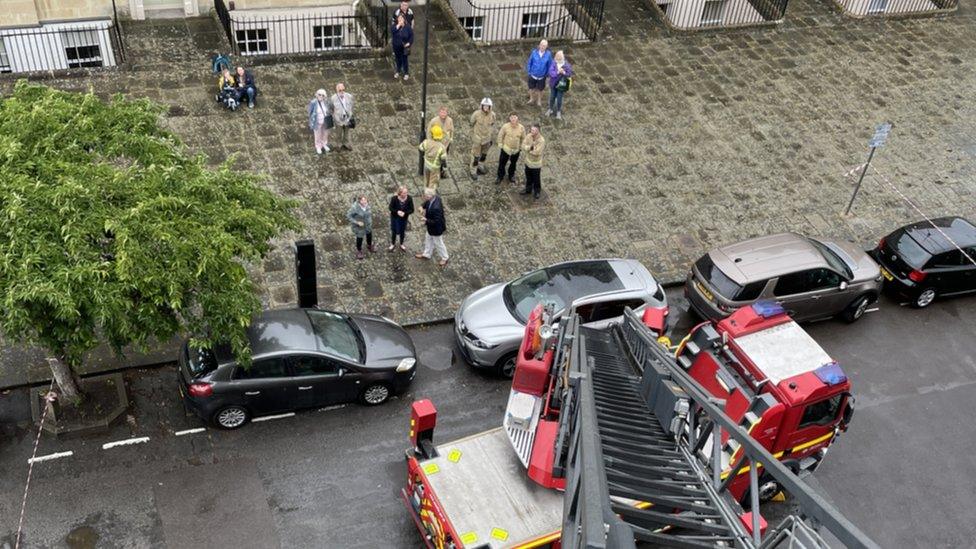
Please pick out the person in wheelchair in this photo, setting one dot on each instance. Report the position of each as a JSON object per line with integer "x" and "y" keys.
{"x": 228, "y": 94}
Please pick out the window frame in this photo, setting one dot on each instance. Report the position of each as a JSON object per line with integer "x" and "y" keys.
{"x": 332, "y": 362}
{"x": 934, "y": 262}
{"x": 537, "y": 29}
{"x": 825, "y": 420}
{"x": 318, "y": 40}
{"x": 476, "y": 28}
{"x": 243, "y": 44}
{"x": 807, "y": 277}
{"x": 88, "y": 40}
{"x": 5, "y": 66}
{"x": 713, "y": 22}
{"x": 286, "y": 369}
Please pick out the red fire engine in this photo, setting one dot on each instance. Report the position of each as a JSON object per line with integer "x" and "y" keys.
{"x": 613, "y": 403}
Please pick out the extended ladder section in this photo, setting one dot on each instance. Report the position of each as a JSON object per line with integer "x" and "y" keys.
{"x": 638, "y": 440}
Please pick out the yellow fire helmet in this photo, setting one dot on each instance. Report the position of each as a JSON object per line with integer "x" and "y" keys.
{"x": 437, "y": 133}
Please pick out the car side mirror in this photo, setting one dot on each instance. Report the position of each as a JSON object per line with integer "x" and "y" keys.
{"x": 843, "y": 285}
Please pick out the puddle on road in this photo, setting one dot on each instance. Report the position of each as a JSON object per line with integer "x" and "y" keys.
{"x": 82, "y": 537}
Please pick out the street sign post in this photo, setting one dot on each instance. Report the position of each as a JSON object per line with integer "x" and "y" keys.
{"x": 881, "y": 132}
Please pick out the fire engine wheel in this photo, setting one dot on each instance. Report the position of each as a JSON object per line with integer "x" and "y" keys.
{"x": 506, "y": 366}
{"x": 375, "y": 394}
{"x": 856, "y": 309}
{"x": 231, "y": 417}
{"x": 768, "y": 490}
{"x": 925, "y": 298}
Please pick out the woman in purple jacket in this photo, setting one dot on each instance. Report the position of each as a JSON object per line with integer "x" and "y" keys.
{"x": 559, "y": 78}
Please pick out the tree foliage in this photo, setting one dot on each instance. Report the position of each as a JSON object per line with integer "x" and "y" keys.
{"x": 112, "y": 232}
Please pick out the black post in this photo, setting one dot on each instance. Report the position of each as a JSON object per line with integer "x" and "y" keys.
{"x": 859, "y": 180}
{"x": 423, "y": 89}
{"x": 118, "y": 30}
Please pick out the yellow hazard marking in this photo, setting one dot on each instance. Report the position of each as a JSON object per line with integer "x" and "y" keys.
{"x": 499, "y": 534}
{"x": 411, "y": 433}
{"x": 539, "y": 542}
{"x": 413, "y": 422}
{"x": 431, "y": 468}
{"x": 643, "y": 505}
{"x": 665, "y": 340}
{"x": 469, "y": 537}
{"x": 454, "y": 456}
{"x": 813, "y": 442}
{"x": 780, "y": 496}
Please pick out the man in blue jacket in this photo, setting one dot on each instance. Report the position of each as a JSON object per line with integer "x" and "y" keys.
{"x": 432, "y": 215}
{"x": 537, "y": 69}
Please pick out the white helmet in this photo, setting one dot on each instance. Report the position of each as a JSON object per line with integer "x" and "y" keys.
{"x": 486, "y": 101}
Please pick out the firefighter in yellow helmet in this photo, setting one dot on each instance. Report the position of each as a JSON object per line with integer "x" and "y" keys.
{"x": 446, "y": 124}
{"x": 434, "y": 153}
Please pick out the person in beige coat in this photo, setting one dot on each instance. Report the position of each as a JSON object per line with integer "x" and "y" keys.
{"x": 510, "y": 138}
{"x": 482, "y": 130}
{"x": 532, "y": 147}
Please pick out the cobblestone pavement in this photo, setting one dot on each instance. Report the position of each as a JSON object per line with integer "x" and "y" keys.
{"x": 671, "y": 143}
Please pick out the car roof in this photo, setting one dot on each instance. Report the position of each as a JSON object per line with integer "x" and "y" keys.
{"x": 961, "y": 231}
{"x": 632, "y": 274}
{"x": 281, "y": 330}
{"x": 764, "y": 257}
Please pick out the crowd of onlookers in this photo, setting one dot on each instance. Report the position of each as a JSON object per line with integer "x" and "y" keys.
{"x": 331, "y": 119}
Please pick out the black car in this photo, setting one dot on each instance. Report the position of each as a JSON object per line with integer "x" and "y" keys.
{"x": 301, "y": 358}
{"x": 926, "y": 260}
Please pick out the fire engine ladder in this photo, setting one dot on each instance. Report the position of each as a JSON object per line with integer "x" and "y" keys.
{"x": 631, "y": 481}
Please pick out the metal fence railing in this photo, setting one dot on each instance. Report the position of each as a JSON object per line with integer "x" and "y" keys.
{"x": 884, "y": 8}
{"x": 711, "y": 14}
{"x": 361, "y": 25}
{"x": 529, "y": 19}
{"x": 61, "y": 47}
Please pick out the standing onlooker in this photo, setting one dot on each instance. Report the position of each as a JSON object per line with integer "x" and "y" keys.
{"x": 482, "y": 130}
{"x": 402, "y": 35}
{"x": 446, "y": 123}
{"x": 406, "y": 12}
{"x": 320, "y": 120}
{"x": 510, "y": 138}
{"x": 246, "y": 87}
{"x": 361, "y": 220}
{"x": 341, "y": 109}
{"x": 432, "y": 215}
{"x": 434, "y": 153}
{"x": 401, "y": 206}
{"x": 537, "y": 68}
{"x": 560, "y": 77}
{"x": 532, "y": 146}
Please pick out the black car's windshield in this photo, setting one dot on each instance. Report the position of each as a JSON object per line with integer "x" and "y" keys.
{"x": 200, "y": 361}
{"x": 725, "y": 286}
{"x": 560, "y": 285}
{"x": 336, "y": 334}
{"x": 909, "y": 250}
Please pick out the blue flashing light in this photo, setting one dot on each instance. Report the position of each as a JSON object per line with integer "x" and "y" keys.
{"x": 831, "y": 374}
{"x": 768, "y": 309}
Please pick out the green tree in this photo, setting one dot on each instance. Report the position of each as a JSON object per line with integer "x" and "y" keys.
{"x": 112, "y": 232}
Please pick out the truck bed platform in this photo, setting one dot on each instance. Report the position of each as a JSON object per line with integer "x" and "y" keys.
{"x": 483, "y": 489}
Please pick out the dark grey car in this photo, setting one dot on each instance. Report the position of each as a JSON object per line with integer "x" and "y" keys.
{"x": 811, "y": 278}
{"x": 301, "y": 358}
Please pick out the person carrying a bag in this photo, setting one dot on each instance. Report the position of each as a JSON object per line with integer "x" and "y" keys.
{"x": 320, "y": 120}
{"x": 341, "y": 105}
{"x": 560, "y": 80}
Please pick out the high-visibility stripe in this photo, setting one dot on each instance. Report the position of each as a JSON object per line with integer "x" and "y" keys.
{"x": 813, "y": 442}
{"x": 538, "y": 542}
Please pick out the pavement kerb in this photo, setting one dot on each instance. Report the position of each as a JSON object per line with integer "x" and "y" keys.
{"x": 421, "y": 324}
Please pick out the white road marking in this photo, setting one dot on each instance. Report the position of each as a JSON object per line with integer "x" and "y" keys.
{"x": 49, "y": 457}
{"x": 189, "y": 431}
{"x": 268, "y": 418}
{"x": 126, "y": 442}
{"x": 327, "y": 408}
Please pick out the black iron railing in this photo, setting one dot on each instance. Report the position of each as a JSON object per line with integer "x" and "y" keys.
{"x": 529, "y": 19}
{"x": 61, "y": 47}
{"x": 360, "y": 25}
{"x": 883, "y": 8}
{"x": 694, "y": 15}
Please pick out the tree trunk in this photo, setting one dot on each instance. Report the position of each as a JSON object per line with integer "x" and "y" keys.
{"x": 65, "y": 378}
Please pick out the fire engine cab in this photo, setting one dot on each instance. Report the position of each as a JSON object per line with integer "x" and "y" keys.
{"x": 609, "y": 439}
{"x": 776, "y": 381}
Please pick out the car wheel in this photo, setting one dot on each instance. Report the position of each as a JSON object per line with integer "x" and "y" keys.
{"x": 231, "y": 417}
{"x": 375, "y": 394}
{"x": 506, "y": 366}
{"x": 925, "y": 298}
{"x": 856, "y": 309}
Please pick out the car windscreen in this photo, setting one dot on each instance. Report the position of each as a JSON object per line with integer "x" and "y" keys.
{"x": 725, "y": 286}
{"x": 560, "y": 285}
{"x": 909, "y": 250}
{"x": 836, "y": 262}
{"x": 336, "y": 334}
{"x": 200, "y": 361}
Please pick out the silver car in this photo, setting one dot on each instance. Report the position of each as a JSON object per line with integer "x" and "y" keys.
{"x": 490, "y": 323}
{"x": 811, "y": 278}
